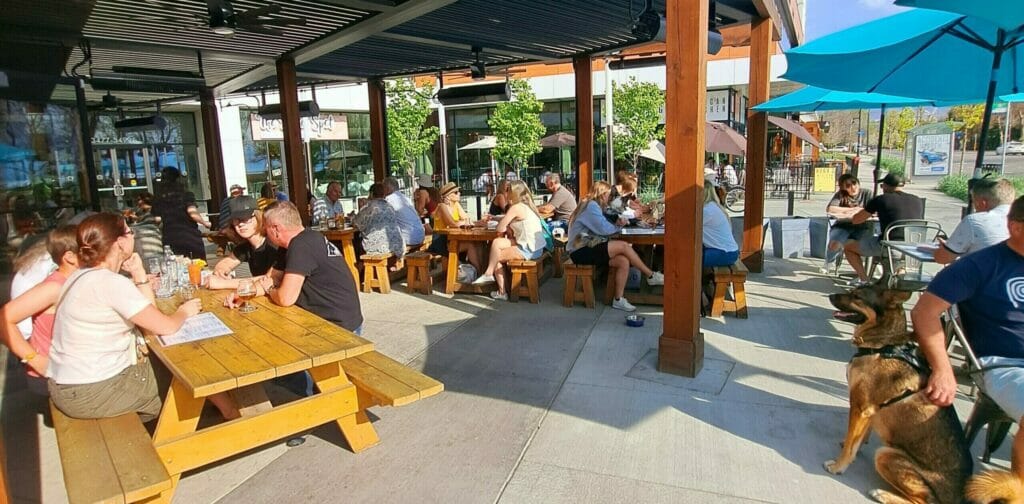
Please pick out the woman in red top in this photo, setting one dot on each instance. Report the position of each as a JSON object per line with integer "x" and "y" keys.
{"x": 40, "y": 303}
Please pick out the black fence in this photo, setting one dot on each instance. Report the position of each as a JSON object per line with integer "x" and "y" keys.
{"x": 795, "y": 176}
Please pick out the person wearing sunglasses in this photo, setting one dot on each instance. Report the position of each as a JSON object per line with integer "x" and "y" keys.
{"x": 255, "y": 249}
{"x": 450, "y": 214}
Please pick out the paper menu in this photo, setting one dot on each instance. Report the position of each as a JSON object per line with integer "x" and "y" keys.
{"x": 198, "y": 327}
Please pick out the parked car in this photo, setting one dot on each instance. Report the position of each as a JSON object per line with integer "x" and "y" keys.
{"x": 1011, "y": 148}
{"x": 840, "y": 148}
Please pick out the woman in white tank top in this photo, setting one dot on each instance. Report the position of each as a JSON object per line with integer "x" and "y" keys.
{"x": 524, "y": 238}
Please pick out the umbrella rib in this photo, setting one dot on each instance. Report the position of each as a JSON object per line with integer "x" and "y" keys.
{"x": 972, "y": 37}
{"x": 919, "y": 50}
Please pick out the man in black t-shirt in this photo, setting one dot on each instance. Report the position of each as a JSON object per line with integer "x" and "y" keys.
{"x": 891, "y": 206}
{"x": 315, "y": 276}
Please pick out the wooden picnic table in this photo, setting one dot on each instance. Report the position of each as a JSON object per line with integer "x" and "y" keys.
{"x": 456, "y": 236}
{"x": 269, "y": 342}
{"x": 345, "y": 236}
{"x": 648, "y": 237}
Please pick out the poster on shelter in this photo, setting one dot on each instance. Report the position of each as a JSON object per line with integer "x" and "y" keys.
{"x": 932, "y": 154}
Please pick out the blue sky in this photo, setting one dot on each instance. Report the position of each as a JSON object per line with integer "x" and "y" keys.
{"x": 827, "y": 16}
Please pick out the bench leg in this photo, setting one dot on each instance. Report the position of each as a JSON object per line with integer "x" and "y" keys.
{"x": 356, "y": 428}
{"x": 569, "y": 290}
{"x": 718, "y": 302}
{"x": 558, "y": 265}
{"x": 588, "y": 291}
{"x": 410, "y": 280}
{"x": 739, "y": 292}
{"x": 383, "y": 278}
{"x": 531, "y": 282}
{"x": 368, "y": 279}
{"x": 517, "y": 281}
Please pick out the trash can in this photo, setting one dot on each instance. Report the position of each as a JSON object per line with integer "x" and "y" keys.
{"x": 737, "y": 230}
{"x": 789, "y": 234}
{"x": 819, "y": 236}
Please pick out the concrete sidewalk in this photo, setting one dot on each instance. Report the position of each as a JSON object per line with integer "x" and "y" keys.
{"x": 550, "y": 404}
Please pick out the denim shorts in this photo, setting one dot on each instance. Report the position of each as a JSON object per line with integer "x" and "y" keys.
{"x": 1005, "y": 385}
{"x": 530, "y": 256}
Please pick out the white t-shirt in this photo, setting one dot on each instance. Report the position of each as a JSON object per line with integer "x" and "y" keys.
{"x": 979, "y": 230}
{"x": 718, "y": 229}
{"x": 408, "y": 221}
{"x": 93, "y": 338}
{"x": 24, "y": 281}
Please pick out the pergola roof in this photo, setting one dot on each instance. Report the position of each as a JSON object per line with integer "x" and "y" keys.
{"x": 342, "y": 40}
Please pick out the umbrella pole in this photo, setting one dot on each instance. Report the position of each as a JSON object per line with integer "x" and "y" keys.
{"x": 878, "y": 152}
{"x": 986, "y": 120}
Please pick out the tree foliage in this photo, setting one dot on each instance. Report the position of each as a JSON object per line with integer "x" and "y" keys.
{"x": 409, "y": 137}
{"x": 968, "y": 118}
{"x": 637, "y": 111}
{"x": 517, "y": 127}
{"x": 899, "y": 123}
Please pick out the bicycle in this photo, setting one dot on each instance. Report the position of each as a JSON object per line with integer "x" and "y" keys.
{"x": 734, "y": 197}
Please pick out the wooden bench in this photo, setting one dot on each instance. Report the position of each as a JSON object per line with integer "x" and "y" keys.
{"x": 108, "y": 460}
{"x": 417, "y": 276}
{"x": 531, "y": 272}
{"x": 375, "y": 272}
{"x": 384, "y": 381}
{"x": 579, "y": 284}
{"x": 723, "y": 277}
{"x": 559, "y": 256}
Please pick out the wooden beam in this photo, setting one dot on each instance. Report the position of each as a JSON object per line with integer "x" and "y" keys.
{"x": 582, "y": 67}
{"x": 212, "y": 147}
{"x": 378, "y": 129}
{"x": 294, "y": 153}
{"x": 769, "y": 9}
{"x": 681, "y": 346}
{"x": 757, "y": 144}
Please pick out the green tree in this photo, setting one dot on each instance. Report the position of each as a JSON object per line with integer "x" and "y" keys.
{"x": 902, "y": 122}
{"x": 517, "y": 127}
{"x": 966, "y": 118}
{"x": 637, "y": 112}
{"x": 409, "y": 137}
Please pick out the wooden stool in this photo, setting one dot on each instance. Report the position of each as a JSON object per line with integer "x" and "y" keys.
{"x": 417, "y": 276}
{"x": 531, "y": 271}
{"x": 724, "y": 276}
{"x": 559, "y": 255}
{"x": 375, "y": 272}
{"x": 575, "y": 275}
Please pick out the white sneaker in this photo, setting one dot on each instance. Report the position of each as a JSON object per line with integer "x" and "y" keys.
{"x": 656, "y": 278}
{"x": 622, "y": 304}
{"x": 483, "y": 279}
{"x": 499, "y": 296}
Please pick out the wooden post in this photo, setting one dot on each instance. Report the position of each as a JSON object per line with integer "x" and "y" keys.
{"x": 378, "y": 129}
{"x": 212, "y": 147}
{"x": 582, "y": 67}
{"x": 294, "y": 155}
{"x": 681, "y": 346}
{"x": 757, "y": 145}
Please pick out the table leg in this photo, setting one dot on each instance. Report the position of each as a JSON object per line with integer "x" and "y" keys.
{"x": 179, "y": 416}
{"x": 356, "y": 428}
{"x": 451, "y": 285}
{"x": 350, "y": 256}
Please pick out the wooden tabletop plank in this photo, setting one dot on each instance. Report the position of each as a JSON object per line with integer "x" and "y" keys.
{"x": 285, "y": 358}
{"x": 197, "y": 369}
{"x": 245, "y": 365}
{"x": 352, "y": 345}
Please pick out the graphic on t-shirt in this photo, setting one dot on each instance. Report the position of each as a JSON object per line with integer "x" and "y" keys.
{"x": 1015, "y": 291}
{"x": 332, "y": 251}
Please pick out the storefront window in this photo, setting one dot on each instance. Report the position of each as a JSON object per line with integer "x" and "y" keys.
{"x": 42, "y": 173}
{"x": 264, "y": 158}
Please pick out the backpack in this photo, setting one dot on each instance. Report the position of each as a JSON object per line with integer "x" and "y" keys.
{"x": 549, "y": 239}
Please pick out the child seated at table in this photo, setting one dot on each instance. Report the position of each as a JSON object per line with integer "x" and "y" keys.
{"x": 524, "y": 237}
{"x": 590, "y": 243}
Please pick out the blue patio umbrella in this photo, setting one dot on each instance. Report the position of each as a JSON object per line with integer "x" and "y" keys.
{"x": 814, "y": 99}
{"x": 920, "y": 53}
{"x": 1007, "y": 14}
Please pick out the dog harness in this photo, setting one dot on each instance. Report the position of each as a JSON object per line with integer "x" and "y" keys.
{"x": 907, "y": 352}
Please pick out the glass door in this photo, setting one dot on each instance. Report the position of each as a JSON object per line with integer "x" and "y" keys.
{"x": 124, "y": 172}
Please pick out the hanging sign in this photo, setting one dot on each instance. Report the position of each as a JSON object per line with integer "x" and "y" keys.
{"x": 932, "y": 154}
{"x": 326, "y": 126}
{"x": 717, "y": 105}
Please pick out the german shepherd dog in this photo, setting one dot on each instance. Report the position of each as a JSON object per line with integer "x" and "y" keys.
{"x": 924, "y": 457}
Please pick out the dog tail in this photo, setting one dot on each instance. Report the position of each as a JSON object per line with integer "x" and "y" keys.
{"x": 995, "y": 487}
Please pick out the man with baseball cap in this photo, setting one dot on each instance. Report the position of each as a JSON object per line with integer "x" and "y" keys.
{"x": 892, "y": 205}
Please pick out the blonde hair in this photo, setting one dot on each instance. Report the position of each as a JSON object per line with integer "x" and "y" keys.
{"x": 711, "y": 196}
{"x": 520, "y": 193}
{"x": 598, "y": 192}
{"x": 283, "y": 213}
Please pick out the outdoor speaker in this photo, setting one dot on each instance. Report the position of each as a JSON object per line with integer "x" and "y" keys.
{"x": 649, "y": 26}
{"x": 148, "y": 123}
{"x": 273, "y": 111}
{"x": 480, "y": 93}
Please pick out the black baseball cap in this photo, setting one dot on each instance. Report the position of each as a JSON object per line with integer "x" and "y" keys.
{"x": 241, "y": 208}
{"x": 893, "y": 180}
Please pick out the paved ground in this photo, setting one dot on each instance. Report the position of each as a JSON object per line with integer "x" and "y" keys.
{"x": 550, "y": 404}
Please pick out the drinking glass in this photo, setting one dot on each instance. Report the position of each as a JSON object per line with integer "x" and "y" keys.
{"x": 246, "y": 291}
{"x": 153, "y": 266}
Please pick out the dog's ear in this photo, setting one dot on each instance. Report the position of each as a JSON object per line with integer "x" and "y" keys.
{"x": 897, "y": 296}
